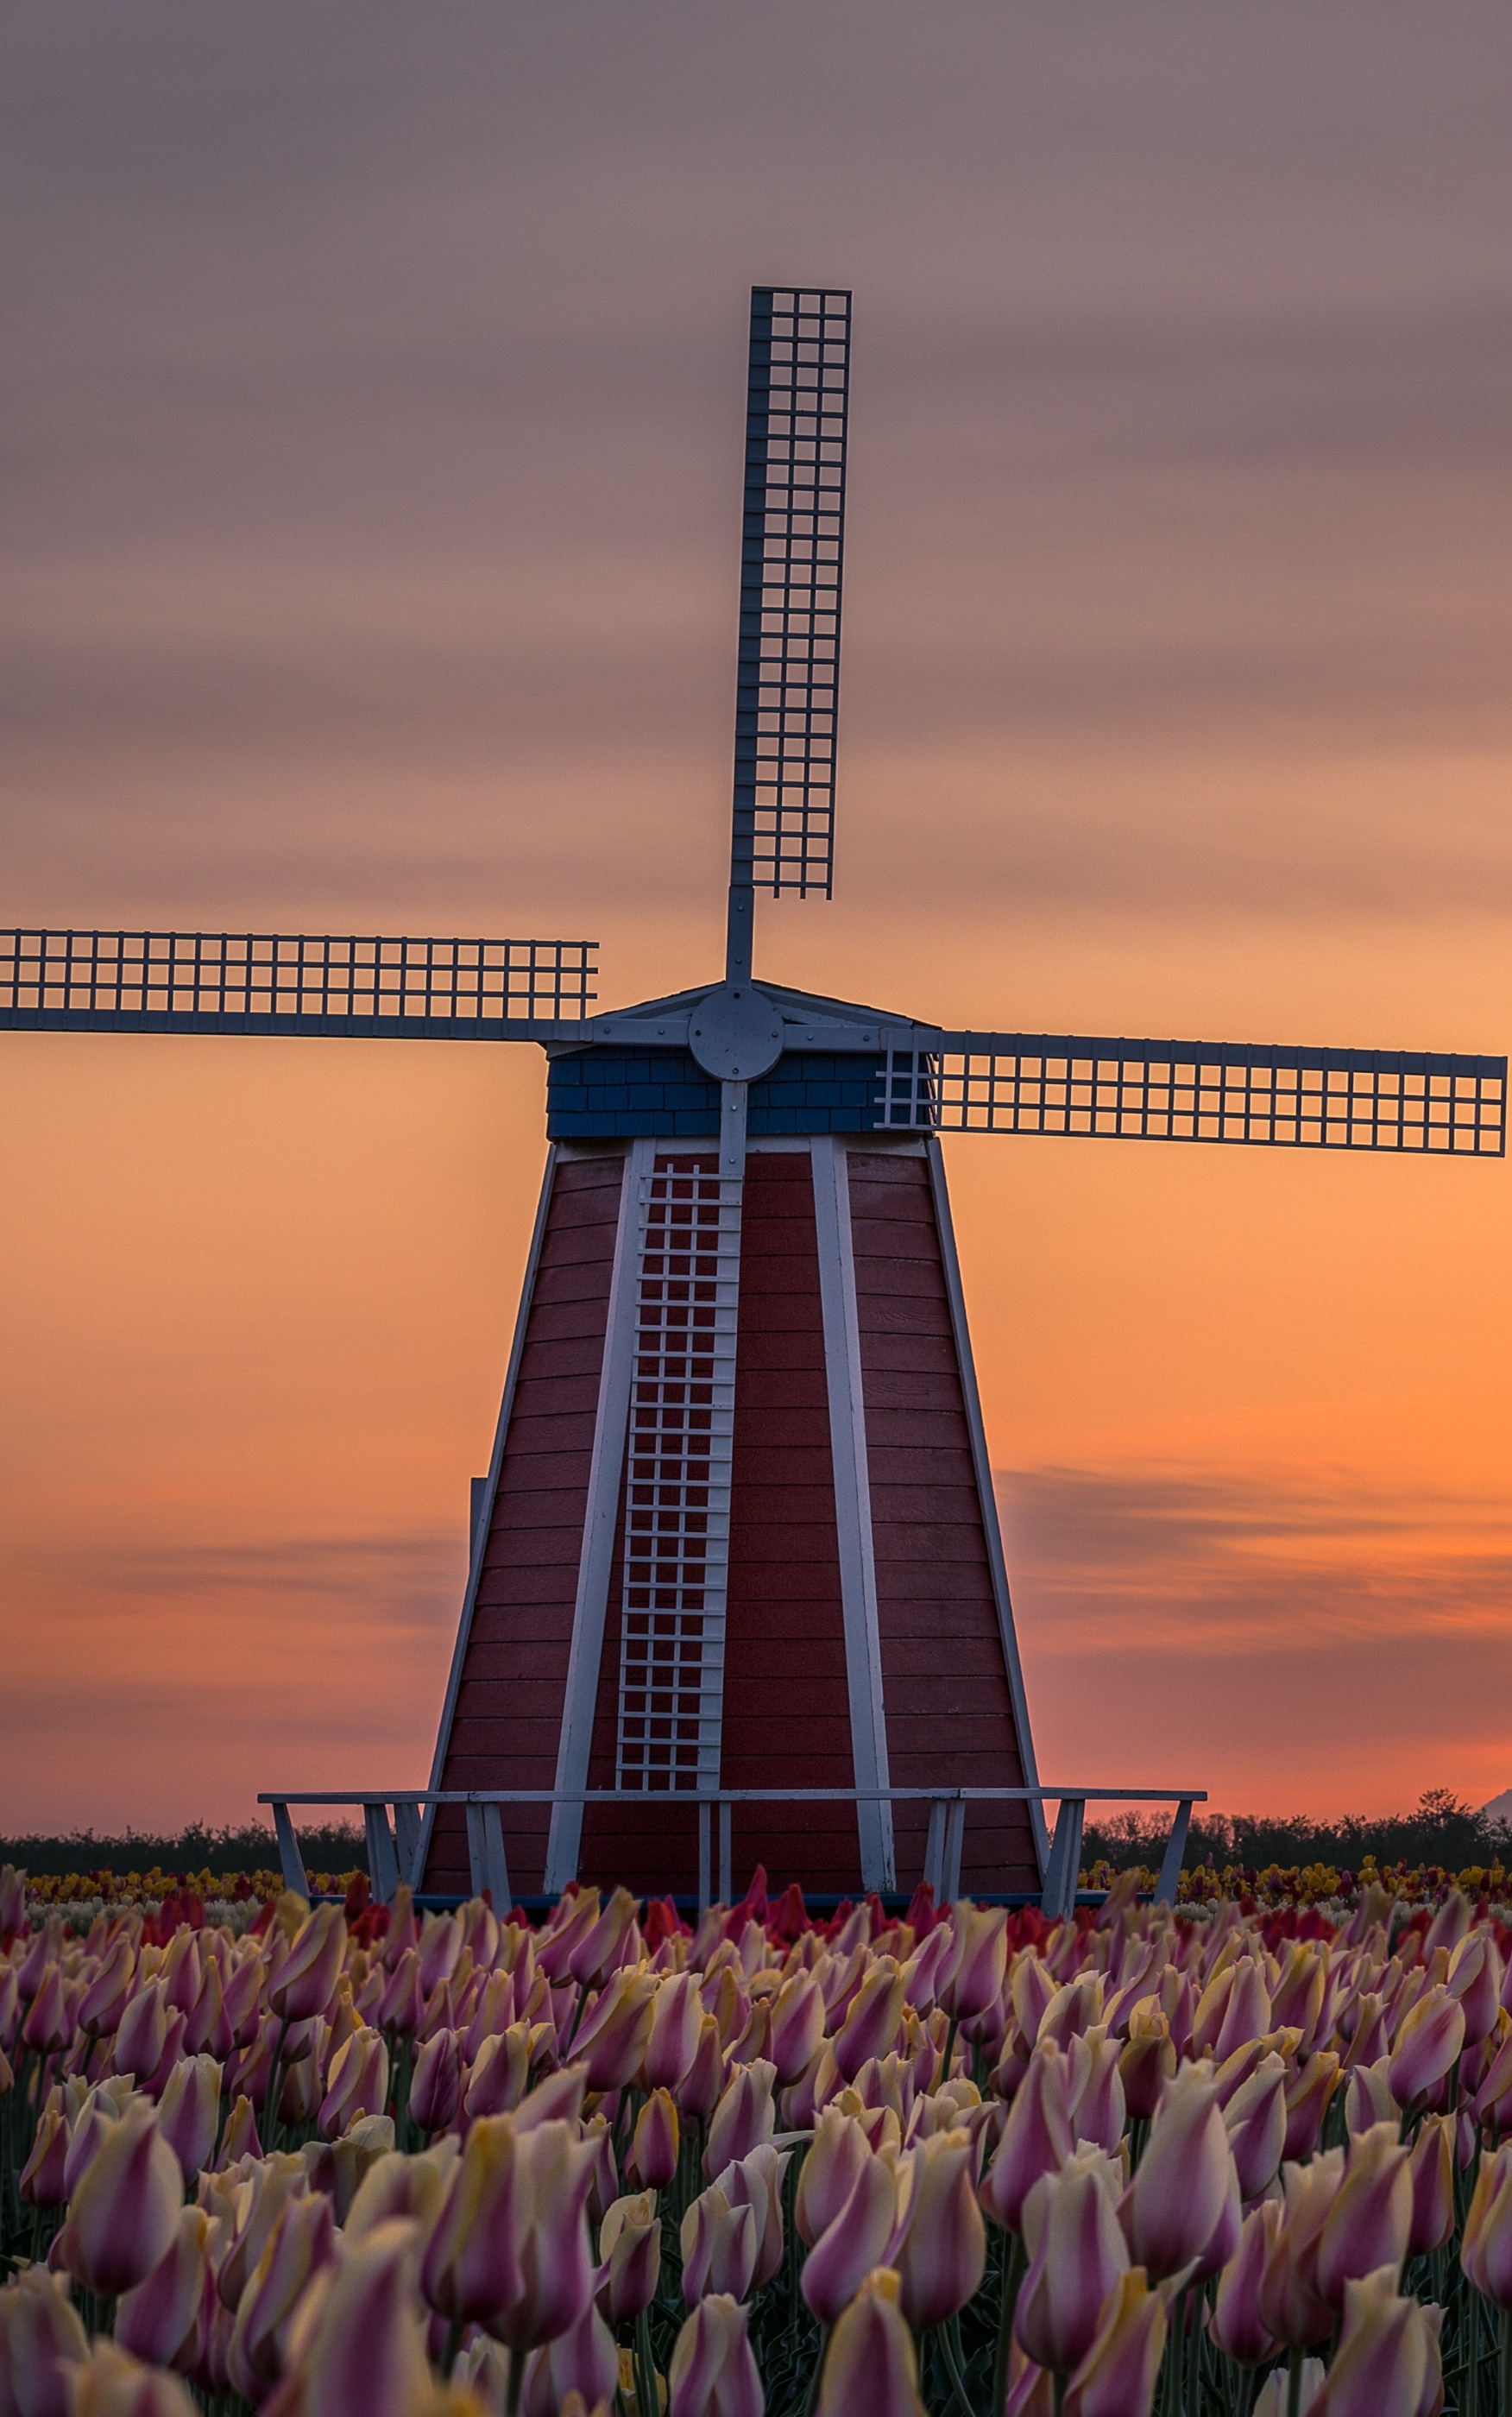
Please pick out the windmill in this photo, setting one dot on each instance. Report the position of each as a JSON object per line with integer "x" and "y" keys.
{"x": 738, "y": 1529}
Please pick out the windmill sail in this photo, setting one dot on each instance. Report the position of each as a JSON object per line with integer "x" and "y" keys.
{"x": 792, "y": 549}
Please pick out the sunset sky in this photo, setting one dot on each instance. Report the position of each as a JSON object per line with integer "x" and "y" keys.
{"x": 373, "y": 384}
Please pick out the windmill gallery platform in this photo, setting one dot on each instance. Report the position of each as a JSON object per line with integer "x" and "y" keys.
{"x": 736, "y": 1548}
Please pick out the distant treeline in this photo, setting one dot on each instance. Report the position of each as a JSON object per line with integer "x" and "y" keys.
{"x": 1440, "y": 1831}
{"x": 333, "y": 1846}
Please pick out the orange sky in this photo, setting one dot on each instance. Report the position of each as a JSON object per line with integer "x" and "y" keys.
{"x": 370, "y": 559}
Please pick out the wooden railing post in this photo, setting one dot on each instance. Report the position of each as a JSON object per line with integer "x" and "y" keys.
{"x": 1169, "y": 1882}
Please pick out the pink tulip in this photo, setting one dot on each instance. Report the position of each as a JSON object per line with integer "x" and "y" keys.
{"x": 854, "y": 2242}
{"x": 570, "y": 1923}
{"x": 239, "y": 2139}
{"x": 272, "y": 2185}
{"x": 870, "y": 2365}
{"x": 301, "y": 2244}
{"x": 872, "y": 2021}
{"x": 125, "y": 2211}
{"x": 362, "y": 2346}
{"x": 40, "y": 1957}
{"x": 555, "y": 2270}
{"x": 1368, "y": 2099}
{"x": 180, "y": 1972}
{"x": 756, "y": 2182}
{"x": 613, "y": 2037}
{"x": 719, "y": 2245}
{"x": 241, "y": 1995}
{"x": 827, "y": 2177}
{"x": 471, "y": 2267}
{"x": 1307, "y": 2104}
{"x": 656, "y": 2144}
{"x": 401, "y": 2007}
{"x": 306, "y": 1981}
{"x": 676, "y": 2023}
{"x": 1096, "y": 2089}
{"x": 493, "y": 2013}
{"x": 1493, "y": 2097}
{"x": 744, "y": 2119}
{"x": 1430, "y": 2167}
{"x": 1475, "y": 1982}
{"x": 1382, "y": 2363}
{"x": 972, "y": 1980}
{"x": 1077, "y": 2255}
{"x": 42, "y": 2344}
{"x": 1486, "y": 2252}
{"x": 441, "y": 1947}
{"x": 44, "y": 2176}
{"x": 1236, "y": 2323}
{"x": 501, "y": 2076}
{"x": 1116, "y": 2378}
{"x": 1299, "y": 1999}
{"x": 702, "y": 2086}
{"x": 609, "y": 1941}
{"x": 436, "y": 2083}
{"x": 1037, "y": 2139}
{"x": 188, "y": 2114}
{"x": 205, "y": 2029}
{"x": 629, "y": 2245}
{"x": 358, "y": 2083}
{"x": 112, "y": 2384}
{"x": 1291, "y": 2299}
{"x": 104, "y": 2001}
{"x": 162, "y": 2321}
{"x": 12, "y": 1904}
{"x": 556, "y": 2099}
{"x": 1146, "y": 2064}
{"x": 797, "y": 2025}
{"x": 1030, "y": 1990}
{"x": 1371, "y": 2220}
{"x": 940, "y": 2259}
{"x": 713, "y": 2373}
{"x": 583, "y": 2360}
{"x": 1255, "y": 2122}
{"x": 1172, "y": 2208}
{"x": 142, "y": 2031}
{"x": 1426, "y": 2044}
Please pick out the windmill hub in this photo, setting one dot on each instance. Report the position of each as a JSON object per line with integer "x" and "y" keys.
{"x": 735, "y": 1033}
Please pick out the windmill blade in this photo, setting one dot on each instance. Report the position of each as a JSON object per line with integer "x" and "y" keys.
{"x": 256, "y": 982}
{"x": 792, "y": 557}
{"x": 1197, "y": 1091}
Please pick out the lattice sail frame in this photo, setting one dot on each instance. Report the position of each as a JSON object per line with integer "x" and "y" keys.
{"x": 1199, "y": 1091}
{"x": 678, "y": 1455}
{"x": 793, "y": 550}
{"x": 259, "y": 981}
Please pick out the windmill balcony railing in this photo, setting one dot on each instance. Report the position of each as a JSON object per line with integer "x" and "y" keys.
{"x": 397, "y": 1834}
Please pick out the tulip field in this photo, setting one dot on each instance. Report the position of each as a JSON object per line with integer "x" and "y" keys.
{"x": 354, "y": 2161}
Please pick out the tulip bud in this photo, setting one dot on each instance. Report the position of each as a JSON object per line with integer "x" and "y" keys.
{"x": 1430, "y": 2038}
{"x": 940, "y": 2259}
{"x": 855, "y": 2241}
{"x": 676, "y": 2025}
{"x": 1255, "y": 2122}
{"x": 1096, "y": 2089}
{"x": 744, "y": 2119}
{"x": 441, "y": 1948}
{"x": 42, "y": 2343}
{"x": 1147, "y": 2063}
{"x": 1290, "y": 2298}
{"x": 718, "y": 2245}
{"x": 606, "y": 1944}
{"x": 1117, "y": 2375}
{"x": 1371, "y": 2220}
{"x": 1037, "y": 2139}
{"x": 306, "y": 1981}
{"x": 162, "y": 2321}
{"x": 756, "y": 2182}
{"x": 44, "y": 2176}
{"x": 1171, "y": 2206}
{"x": 557, "y": 2277}
{"x": 1486, "y": 2252}
{"x": 188, "y": 2115}
{"x": 871, "y": 2025}
{"x": 629, "y": 2245}
{"x": 871, "y": 2363}
{"x": 1383, "y": 2360}
{"x": 358, "y": 2083}
{"x": 1236, "y": 2323}
{"x": 1430, "y": 2167}
{"x": 471, "y": 2265}
{"x": 1475, "y": 1982}
{"x": 358, "y": 2346}
{"x": 436, "y": 2083}
{"x": 104, "y": 2001}
{"x": 125, "y": 2211}
{"x": 713, "y": 2373}
{"x": 613, "y": 2037}
{"x": 827, "y": 2175}
{"x": 797, "y": 2025}
{"x": 972, "y": 1981}
{"x": 112, "y": 2384}
{"x": 654, "y": 2149}
{"x": 1077, "y": 2255}
{"x": 1307, "y": 2104}
{"x": 301, "y": 2244}
{"x": 702, "y": 2086}
{"x": 1274, "y": 2398}
{"x": 579, "y": 2367}
{"x": 142, "y": 2032}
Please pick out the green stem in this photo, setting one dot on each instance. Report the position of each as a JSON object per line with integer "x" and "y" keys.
{"x": 273, "y": 2080}
{"x": 1504, "y": 2365}
{"x": 811, "y": 2396}
{"x": 1293, "y": 2381}
{"x": 946, "y": 2338}
{"x": 950, "y": 2048}
{"x": 517, "y": 2382}
{"x": 454, "y": 2343}
{"x": 648, "y": 2400}
{"x": 1058, "y": 2392}
{"x": 1013, "y": 2271}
